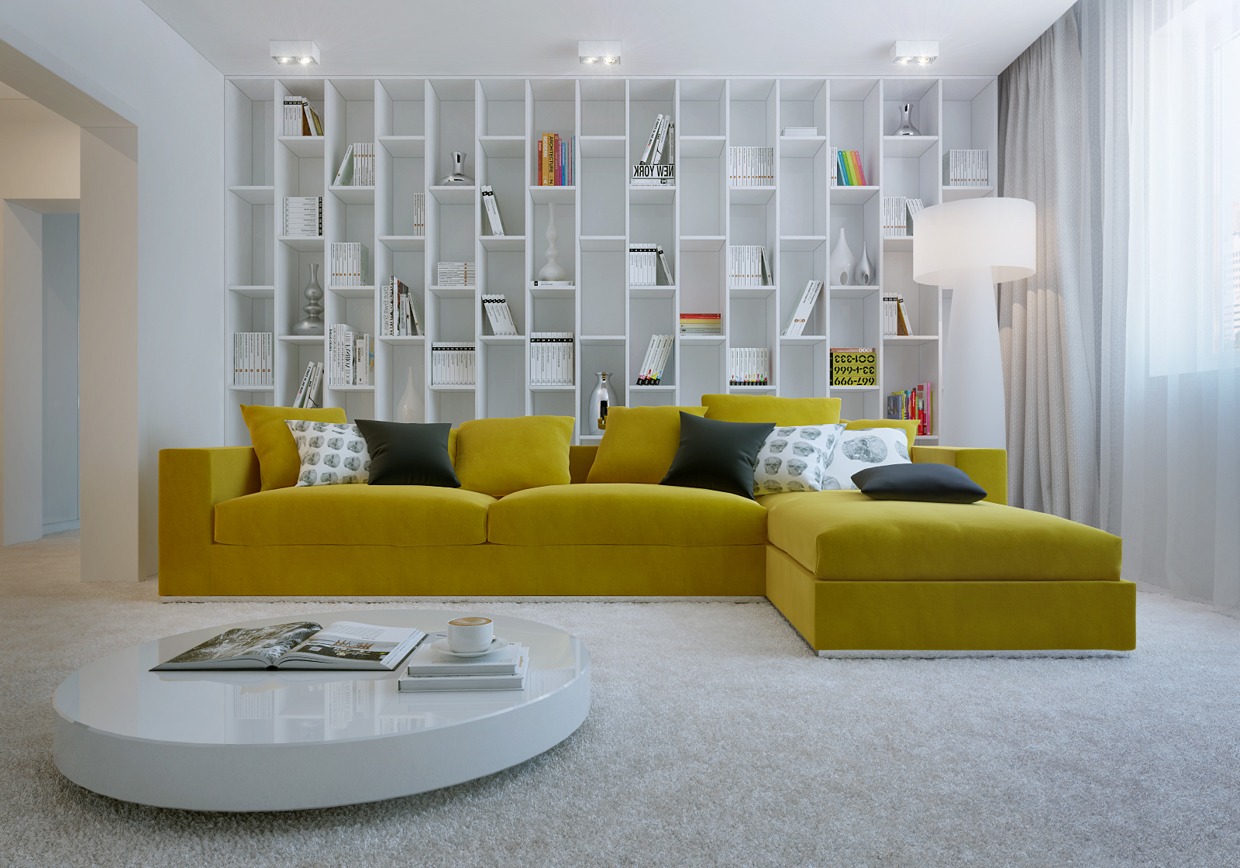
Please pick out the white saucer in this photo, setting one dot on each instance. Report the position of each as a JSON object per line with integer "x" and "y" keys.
{"x": 442, "y": 647}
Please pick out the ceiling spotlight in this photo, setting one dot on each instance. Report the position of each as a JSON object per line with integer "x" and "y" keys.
{"x": 294, "y": 52}
{"x": 606, "y": 52}
{"x": 920, "y": 53}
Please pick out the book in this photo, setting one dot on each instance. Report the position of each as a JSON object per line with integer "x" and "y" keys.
{"x": 344, "y": 175}
{"x": 314, "y": 124}
{"x": 301, "y": 645}
{"x": 854, "y": 366}
{"x": 904, "y": 325}
{"x": 491, "y": 208}
{"x": 800, "y": 132}
{"x": 499, "y": 315}
{"x": 553, "y": 284}
{"x": 428, "y": 660}
{"x": 664, "y": 266}
{"x": 514, "y": 680}
{"x": 800, "y": 316}
{"x": 648, "y": 151}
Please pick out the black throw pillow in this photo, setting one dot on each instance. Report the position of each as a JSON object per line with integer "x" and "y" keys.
{"x": 941, "y": 483}
{"x": 717, "y": 455}
{"x": 408, "y": 453}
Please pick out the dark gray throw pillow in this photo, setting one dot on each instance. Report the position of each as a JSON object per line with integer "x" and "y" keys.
{"x": 717, "y": 455}
{"x": 408, "y": 453}
{"x": 933, "y": 482}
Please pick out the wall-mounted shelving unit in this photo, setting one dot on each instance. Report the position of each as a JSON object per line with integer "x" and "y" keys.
{"x": 416, "y": 125}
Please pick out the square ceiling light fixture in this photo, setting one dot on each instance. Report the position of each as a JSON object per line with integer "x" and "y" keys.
{"x": 607, "y": 52}
{"x": 299, "y": 52}
{"x": 907, "y": 51}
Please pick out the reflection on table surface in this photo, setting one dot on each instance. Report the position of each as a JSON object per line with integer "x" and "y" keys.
{"x": 119, "y": 694}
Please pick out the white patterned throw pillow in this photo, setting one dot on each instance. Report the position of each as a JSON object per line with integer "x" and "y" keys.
{"x": 331, "y": 453}
{"x": 862, "y": 448}
{"x": 793, "y": 458}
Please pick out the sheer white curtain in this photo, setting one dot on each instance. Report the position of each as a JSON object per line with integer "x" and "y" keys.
{"x": 1175, "y": 483}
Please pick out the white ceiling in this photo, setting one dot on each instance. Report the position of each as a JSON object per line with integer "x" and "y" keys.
{"x": 660, "y": 37}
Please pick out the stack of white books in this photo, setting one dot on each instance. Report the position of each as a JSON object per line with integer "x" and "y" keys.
{"x": 433, "y": 667}
{"x": 303, "y": 216}
{"x": 456, "y": 274}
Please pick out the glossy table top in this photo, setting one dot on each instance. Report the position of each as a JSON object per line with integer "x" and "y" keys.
{"x": 117, "y": 695}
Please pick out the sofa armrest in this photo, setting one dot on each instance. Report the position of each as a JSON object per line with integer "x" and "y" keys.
{"x": 986, "y": 467}
{"x": 191, "y": 483}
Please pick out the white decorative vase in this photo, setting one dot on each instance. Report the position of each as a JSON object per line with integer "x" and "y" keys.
{"x": 601, "y": 400}
{"x": 841, "y": 261}
{"x": 409, "y": 407}
{"x": 864, "y": 274}
{"x": 552, "y": 270}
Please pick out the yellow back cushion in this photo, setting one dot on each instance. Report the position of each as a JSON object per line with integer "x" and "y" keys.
{"x": 278, "y": 461}
{"x": 770, "y": 408}
{"x": 639, "y": 444}
{"x": 909, "y": 426}
{"x": 500, "y": 456}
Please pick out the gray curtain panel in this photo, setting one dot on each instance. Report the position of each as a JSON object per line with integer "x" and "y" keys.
{"x": 1048, "y": 324}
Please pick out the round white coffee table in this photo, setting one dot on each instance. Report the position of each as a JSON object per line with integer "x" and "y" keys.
{"x": 273, "y": 740}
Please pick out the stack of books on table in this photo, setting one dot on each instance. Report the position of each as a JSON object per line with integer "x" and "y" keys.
{"x": 430, "y": 668}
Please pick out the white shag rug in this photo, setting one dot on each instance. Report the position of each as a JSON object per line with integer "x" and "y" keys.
{"x": 715, "y": 737}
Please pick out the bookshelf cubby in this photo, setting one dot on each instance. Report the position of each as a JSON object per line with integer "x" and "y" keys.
{"x": 417, "y": 123}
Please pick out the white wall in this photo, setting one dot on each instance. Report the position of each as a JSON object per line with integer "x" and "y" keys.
{"x": 21, "y": 423}
{"x": 39, "y": 159}
{"x": 125, "y": 57}
{"x": 60, "y": 371}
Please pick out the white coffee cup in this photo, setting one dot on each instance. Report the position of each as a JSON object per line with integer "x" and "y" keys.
{"x": 470, "y": 634}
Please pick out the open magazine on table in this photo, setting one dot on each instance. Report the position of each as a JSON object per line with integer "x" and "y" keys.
{"x": 301, "y": 645}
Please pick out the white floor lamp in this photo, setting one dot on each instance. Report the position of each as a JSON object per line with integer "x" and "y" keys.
{"x": 970, "y": 245}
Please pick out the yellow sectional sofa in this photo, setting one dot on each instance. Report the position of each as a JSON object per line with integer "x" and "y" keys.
{"x": 849, "y": 573}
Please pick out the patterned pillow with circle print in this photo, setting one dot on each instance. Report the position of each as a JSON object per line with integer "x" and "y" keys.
{"x": 793, "y": 458}
{"x": 331, "y": 453}
{"x": 861, "y": 448}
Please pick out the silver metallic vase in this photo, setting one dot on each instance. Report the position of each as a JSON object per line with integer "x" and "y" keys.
{"x": 313, "y": 323}
{"x": 601, "y": 399}
{"x": 906, "y": 127}
{"x": 457, "y": 176}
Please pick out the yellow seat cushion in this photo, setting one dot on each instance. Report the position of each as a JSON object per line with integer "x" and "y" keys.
{"x": 639, "y": 444}
{"x": 278, "y": 460}
{"x": 355, "y": 515}
{"x": 846, "y": 536}
{"x": 771, "y": 408}
{"x": 619, "y": 513}
{"x": 502, "y": 455}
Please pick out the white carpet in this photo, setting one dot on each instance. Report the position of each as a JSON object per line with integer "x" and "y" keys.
{"x": 733, "y": 746}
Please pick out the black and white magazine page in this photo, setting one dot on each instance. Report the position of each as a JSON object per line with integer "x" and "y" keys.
{"x": 352, "y": 645}
{"x": 244, "y": 648}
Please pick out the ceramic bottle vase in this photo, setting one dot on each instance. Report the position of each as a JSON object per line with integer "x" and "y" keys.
{"x": 409, "y": 407}
{"x": 864, "y": 275}
{"x": 841, "y": 261}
